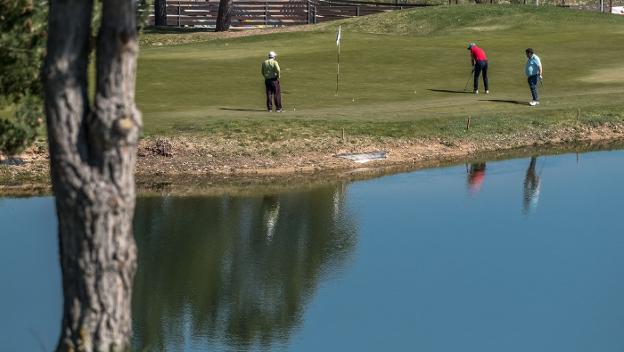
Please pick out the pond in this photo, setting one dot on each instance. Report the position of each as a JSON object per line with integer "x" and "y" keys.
{"x": 516, "y": 255}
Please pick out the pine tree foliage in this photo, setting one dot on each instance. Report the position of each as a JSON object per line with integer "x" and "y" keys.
{"x": 22, "y": 46}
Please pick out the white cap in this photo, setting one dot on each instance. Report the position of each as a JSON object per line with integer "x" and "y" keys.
{"x": 272, "y": 54}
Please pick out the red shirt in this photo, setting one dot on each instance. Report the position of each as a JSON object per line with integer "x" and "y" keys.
{"x": 477, "y": 53}
{"x": 475, "y": 181}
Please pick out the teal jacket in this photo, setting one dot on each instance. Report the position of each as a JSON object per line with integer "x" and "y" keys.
{"x": 533, "y": 66}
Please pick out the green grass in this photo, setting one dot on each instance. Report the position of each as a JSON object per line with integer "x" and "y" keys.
{"x": 391, "y": 66}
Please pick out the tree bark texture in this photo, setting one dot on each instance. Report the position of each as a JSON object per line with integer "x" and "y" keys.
{"x": 92, "y": 157}
{"x": 224, "y": 16}
{"x": 160, "y": 12}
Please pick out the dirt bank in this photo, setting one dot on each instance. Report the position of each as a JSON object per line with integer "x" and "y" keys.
{"x": 219, "y": 160}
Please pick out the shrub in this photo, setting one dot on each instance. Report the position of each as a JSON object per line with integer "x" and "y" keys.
{"x": 19, "y": 130}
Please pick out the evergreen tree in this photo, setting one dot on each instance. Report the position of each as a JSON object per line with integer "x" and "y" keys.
{"x": 22, "y": 43}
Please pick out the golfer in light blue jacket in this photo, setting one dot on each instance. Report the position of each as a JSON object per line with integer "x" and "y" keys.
{"x": 534, "y": 71}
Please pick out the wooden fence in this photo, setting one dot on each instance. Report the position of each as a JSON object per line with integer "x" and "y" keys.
{"x": 270, "y": 13}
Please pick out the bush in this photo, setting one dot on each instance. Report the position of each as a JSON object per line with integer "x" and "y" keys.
{"x": 14, "y": 136}
{"x": 19, "y": 131}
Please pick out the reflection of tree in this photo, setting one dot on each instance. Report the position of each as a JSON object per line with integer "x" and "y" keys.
{"x": 531, "y": 188}
{"x": 476, "y": 175}
{"x": 233, "y": 270}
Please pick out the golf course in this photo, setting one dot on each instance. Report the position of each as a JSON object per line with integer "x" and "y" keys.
{"x": 154, "y": 198}
{"x": 402, "y": 74}
{"x": 402, "y": 85}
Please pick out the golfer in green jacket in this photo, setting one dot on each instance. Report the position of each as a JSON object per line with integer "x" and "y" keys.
{"x": 271, "y": 72}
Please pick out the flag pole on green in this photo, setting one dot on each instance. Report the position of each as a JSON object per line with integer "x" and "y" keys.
{"x": 338, "y": 36}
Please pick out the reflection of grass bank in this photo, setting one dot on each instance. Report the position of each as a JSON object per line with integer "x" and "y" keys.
{"x": 29, "y": 181}
{"x": 252, "y": 185}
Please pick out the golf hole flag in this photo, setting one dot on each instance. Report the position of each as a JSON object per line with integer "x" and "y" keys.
{"x": 338, "y": 37}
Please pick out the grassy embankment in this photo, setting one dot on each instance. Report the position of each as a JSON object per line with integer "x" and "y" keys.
{"x": 402, "y": 75}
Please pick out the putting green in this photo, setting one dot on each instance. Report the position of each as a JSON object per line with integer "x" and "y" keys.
{"x": 395, "y": 67}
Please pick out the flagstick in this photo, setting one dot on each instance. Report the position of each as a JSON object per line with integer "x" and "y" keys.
{"x": 338, "y": 37}
{"x": 338, "y": 70}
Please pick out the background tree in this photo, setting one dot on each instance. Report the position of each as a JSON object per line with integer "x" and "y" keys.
{"x": 224, "y": 15}
{"x": 92, "y": 156}
{"x": 22, "y": 41}
{"x": 143, "y": 12}
{"x": 160, "y": 12}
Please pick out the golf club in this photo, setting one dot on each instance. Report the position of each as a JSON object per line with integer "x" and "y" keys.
{"x": 469, "y": 78}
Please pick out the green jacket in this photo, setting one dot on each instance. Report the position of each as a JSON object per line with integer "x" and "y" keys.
{"x": 270, "y": 69}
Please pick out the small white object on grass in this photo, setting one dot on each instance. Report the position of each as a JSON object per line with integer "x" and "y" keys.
{"x": 361, "y": 158}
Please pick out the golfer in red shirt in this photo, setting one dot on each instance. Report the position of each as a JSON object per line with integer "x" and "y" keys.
{"x": 479, "y": 64}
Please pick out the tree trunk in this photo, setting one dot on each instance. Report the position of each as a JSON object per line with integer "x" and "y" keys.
{"x": 160, "y": 12}
{"x": 92, "y": 157}
{"x": 223, "y": 16}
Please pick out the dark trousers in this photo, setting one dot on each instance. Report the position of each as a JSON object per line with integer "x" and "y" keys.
{"x": 533, "y": 86}
{"x": 273, "y": 93}
{"x": 481, "y": 66}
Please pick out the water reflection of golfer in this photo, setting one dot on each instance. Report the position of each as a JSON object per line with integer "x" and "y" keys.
{"x": 531, "y": 188}
{"x": 476, "y": 175}
{"x": 271, "y": 207}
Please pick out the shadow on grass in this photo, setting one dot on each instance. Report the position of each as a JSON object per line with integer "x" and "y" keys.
{"x": 12, "y": 161}
{"x": 240, "y": 109}
{"x": 169, "y": 29}
{"x": 517, "y": 102}
{"x": 449, "y": 91}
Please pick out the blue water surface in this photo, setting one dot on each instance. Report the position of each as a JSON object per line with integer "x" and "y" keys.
{"x": 517, "y": 255}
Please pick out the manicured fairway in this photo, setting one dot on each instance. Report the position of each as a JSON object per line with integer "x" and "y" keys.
{"x": 396, "y": 68}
